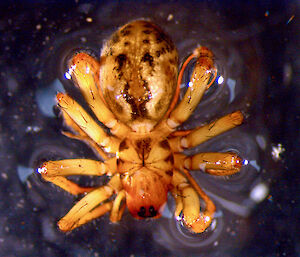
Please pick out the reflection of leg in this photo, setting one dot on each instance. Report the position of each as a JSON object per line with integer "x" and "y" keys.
{"x": 56, "y": 171}
{"x": 218, "y": 164}
{"x": 206, "y": 132}
{"x": 87, "y": 209}
{"x": 186, "y": 193}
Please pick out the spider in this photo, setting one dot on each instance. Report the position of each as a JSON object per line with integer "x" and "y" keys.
{"x": 133, "y": 91}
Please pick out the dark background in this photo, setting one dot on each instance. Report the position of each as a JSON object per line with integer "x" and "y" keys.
{"x": 36, "y": 37}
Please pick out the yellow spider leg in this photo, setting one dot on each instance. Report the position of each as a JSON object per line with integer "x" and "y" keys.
{"x": 177, "y": 92}
{"x": 84, "y": 167}
{"x": 87, "y": 123}
{"x": 84, "y": 70}
{"x": 177, "y": 179}
{"x": 92, "y": 205}
{"x": 189, "y": 203}
{"x": 93, "y": 214}
{"x": 198, "y": 84}
{"x": 118, "y": 208}
{"x": 206, "y": 132}
{"x": 97, "y": 150}
{"x": 82, "y": 211}
{"x": 178, "y": 200}
{"x": 55, "y": 172}
{"x": 77, "y": 133}
{"x": 218, "y": 164}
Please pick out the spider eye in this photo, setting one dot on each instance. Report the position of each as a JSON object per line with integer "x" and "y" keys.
{"x": 142, "y": 212}
{"x": 152, "y": 211}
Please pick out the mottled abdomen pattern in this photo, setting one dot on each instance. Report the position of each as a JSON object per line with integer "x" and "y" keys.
{"x": 139, "y": 72}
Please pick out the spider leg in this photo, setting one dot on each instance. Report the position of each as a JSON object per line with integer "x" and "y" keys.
{"x": 84, "y": 70}
{"x": 118, "y": 207}
{"x": 92, "y": 206}
{"x": 218, "y": 164}
{"x": 87, "y": 123}
{"x": 86, "y": 209}
{"x": 79, "y": 134}
{"x": 186, "y": 193}
{"x": 200, "y": 81}
{"x": 56, "y": 172}
{"x": 206, "y": 132}
{"x": 64, "y": 225}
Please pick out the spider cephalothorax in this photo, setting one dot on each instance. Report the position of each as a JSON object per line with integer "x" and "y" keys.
{"x": 133, "y": 90}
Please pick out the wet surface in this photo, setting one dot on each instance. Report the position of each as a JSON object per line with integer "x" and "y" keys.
{"x": 255, "y": 47}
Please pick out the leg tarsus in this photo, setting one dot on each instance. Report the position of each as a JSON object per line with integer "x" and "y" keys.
{"x": 186, "y": 192}
{"x": 88, "y": 208}
{"x": 205, "y": 219}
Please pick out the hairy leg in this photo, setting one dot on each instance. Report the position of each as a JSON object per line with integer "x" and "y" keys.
{"x": 92, "y": 206}
{"x": 79, "y": 134}
{"x": 87, "y": 123}
{"x": 56, "y": 172}
{"x": 206, "y": 132}
{"x": 82, "y": 211}
{"x": 186, "y": 193}
{"x": 218, "y": 164}
{"x": 118, "y": 207}
{"x": 84, "y": 70}
{"x": 200, "y": 81}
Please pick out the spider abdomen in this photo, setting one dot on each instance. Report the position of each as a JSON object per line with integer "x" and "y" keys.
{"x": 138, "y": 73}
